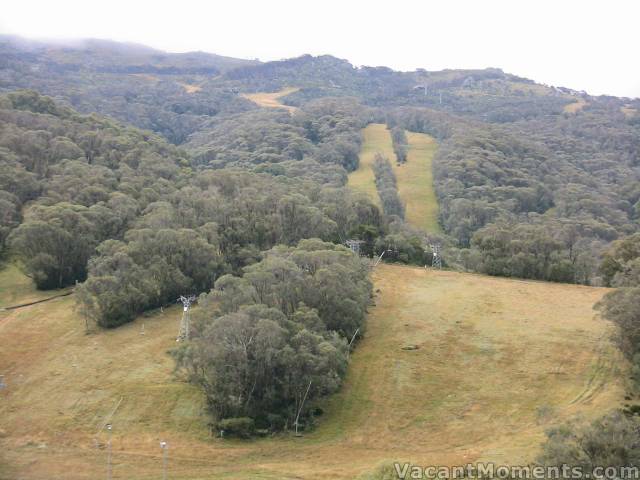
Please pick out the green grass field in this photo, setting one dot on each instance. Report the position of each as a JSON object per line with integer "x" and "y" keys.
{"x": 375, "y": 138}
{"x": 415, "y": 183}
{"x": 415, "y": 177}
{"x": 498, "y": 362}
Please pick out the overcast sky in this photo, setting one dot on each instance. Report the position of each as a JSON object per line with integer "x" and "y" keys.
{"x": 581, "y": 45}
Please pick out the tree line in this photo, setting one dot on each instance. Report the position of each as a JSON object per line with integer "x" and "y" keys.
{"x": 613, "y": 440}
{"x": 400, "y": 143}
{"x": 620, "y": 268}
{"x": 387, "y": 186}
{"x": 267, "y": 345}
{"x": 570, "y": 182}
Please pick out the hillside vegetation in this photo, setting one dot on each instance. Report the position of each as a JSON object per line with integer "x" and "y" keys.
{"x": 414, "y": 177}
{"x": 498, "y": 361}
{"x": 515, "y": 161}
{"x": 132, "y": 83}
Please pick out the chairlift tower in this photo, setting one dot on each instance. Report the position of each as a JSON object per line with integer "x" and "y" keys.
{"x": 423, "y": 87}
{"x": 354, "y": 245}
{"x": 109, "y": 454}
{"x": 183, "y": 334}
{"x": 382, "y": 255}
{"x": 436, "y": 262}
{"x": 164, "y": 446}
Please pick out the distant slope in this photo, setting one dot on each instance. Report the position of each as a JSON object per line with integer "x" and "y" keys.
{"x": 498, "y": 361}
{"x": 415, "y": 177}
{"x": 107, "y": 56}
{"x": 173, "y": 94}
{"x": 97, "y": 75}
{"x": 272, "y": 100}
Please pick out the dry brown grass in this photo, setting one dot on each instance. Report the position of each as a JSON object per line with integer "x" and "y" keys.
{"x": 629, "y": 111}
{"x": 499, "y": 361}
{"x": 272, "y": 100}
{"x": 190, "y": 88}
{"x": 16, "y": 288}
{"x": 576, "y": 106}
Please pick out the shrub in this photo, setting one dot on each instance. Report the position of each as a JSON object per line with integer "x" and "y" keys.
{"x": 242, "y": 427}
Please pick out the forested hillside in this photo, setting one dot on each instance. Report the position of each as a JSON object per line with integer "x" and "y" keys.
{"x": 81, "y": 180}
{"x": 539, "y": 198}
{"x": 80, "y": 170}
{"x": 174, "y": 94}
{"x": 171, "y": 94}
{"x": 519, "y": 164}
{"x": 516, "y": 161}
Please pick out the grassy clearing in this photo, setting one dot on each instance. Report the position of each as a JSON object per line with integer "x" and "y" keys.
{"x": 576, "y": 106}
{"x": 375, "y": 139}
{"x": 272, "y": 100}
{"x": 498, "y": 362}
{"x": 415, "y": 178}
{"x": 190, "y": 88}
{"x": 16, "y": 288}
{"x": 415, "y": 183}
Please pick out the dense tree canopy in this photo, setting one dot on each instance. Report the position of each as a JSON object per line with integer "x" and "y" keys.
{"x": 268, "y": 344}
{"x": 325, "y": 133}
{"x": 387, "y": 187}
{"x": 610, "y": 441}
{"x": 570, "y": 182}
{"x": 88, "y": 180}
{"x": 400, "y": 144}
